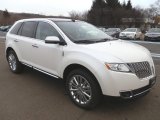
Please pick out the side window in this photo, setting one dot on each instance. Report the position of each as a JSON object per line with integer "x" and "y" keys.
{"x": 16, "y": 28}
{"x": 44, "y": 30}
{"x": 28, "y": 29}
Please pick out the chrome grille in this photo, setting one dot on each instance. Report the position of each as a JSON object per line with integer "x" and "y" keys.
{"x": 141, "y": 69}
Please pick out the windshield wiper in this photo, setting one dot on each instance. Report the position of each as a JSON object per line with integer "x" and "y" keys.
{"x": 84, "y": 41}
{"x": 102, "y": 40}
{"x": 94, "y": 41}
{"x": 106, "y": 39}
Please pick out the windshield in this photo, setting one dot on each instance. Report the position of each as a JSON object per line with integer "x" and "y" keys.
{"x": 154, "y": 30}
{"x": 111, "y": 30}
{"x": 130, "y": 30}
{"x": 82, "y": 31}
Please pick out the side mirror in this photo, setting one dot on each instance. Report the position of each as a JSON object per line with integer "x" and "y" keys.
{"x": 54, "y": 40}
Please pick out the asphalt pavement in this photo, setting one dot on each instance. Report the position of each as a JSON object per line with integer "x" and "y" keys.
{"x": 2, "y": 34}
{"x": 36, "y": 96}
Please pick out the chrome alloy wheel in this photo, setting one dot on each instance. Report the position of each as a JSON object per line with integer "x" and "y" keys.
{"x": 80, "y": 89}
{"x": 12, "y": 62}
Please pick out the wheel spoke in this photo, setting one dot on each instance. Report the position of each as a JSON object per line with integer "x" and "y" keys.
{"x": 85, "y": 83}
{"x": 75, "y": 80}
{"x": 73, "y": 84}
{"x": 10, "y": 58}
{"x": 84, "y": 98}
{"x": 86, "y": 95}
{"x": 80, "y": 98}
{"x": 72, "y": 89}
{"x": 14, "y": 65}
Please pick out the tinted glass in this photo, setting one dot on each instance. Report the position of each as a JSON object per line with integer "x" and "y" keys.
{"x": 130, "y": 30}
{"x": 111, "y": 29}
{"x": 44, "y": 30}
{"x": 28, "y": 29}
{"x": 16, "y": 28}
{"x": 154, "y": 30}
{"x": 80, "y": 31}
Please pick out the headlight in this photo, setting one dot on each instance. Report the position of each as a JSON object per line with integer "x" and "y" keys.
{"x": 119, "y": 67}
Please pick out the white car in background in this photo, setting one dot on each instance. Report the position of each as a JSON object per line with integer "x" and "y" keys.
{"x": 130, "y": 33}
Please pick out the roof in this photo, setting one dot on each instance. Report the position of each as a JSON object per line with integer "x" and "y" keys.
{"x": 52, "y": 19}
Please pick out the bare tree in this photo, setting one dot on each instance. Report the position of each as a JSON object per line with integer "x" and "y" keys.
{"x": 79, "y": 16}
{"x": 156, "y": 7}
{"x": 6, "y": 14}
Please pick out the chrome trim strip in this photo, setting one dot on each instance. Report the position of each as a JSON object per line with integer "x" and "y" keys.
{"x": 45, "y": 72}
{"x": 27, "y": 64}
{"x": 40, "y": 70}
{"x": 142, "y": 92}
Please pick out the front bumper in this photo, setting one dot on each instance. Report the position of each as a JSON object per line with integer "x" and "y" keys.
{"x": 126, "y": 37}
{"x": 116, "y": 83}
{"x": 156, "y": 39}
{"x": 138, "y": 92}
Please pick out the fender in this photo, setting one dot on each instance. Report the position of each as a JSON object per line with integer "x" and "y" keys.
{"x": 12, "y": 44}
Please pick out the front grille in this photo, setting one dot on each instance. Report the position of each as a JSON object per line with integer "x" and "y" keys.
{"x": 141, "y": 69}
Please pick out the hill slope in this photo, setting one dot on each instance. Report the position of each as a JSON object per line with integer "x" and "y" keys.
{"x": 8, "y": 20}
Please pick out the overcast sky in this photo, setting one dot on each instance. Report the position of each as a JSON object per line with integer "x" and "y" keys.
{"x": 56, "y": 7}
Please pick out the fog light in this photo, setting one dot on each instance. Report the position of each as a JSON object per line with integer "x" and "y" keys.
{"x": 126, "y": 95}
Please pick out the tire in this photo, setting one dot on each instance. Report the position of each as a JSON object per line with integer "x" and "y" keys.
{"x": 135, "y": 37}
{"x": 83, "y": 89}
{"x": 13, "y": 62}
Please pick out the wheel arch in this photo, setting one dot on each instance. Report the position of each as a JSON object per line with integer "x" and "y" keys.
{"x": 8, "y": 49}
{"x": 74, "y": 66}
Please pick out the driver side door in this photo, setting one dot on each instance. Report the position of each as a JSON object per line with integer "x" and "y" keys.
{"x": 46, "y": 57}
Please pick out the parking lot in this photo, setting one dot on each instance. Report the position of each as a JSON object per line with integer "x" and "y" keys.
{"x": 35, "y": 96}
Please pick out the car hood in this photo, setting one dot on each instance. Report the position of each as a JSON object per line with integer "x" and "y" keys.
{"x": 152, "y": 34}
{"x": 117, "y": 51}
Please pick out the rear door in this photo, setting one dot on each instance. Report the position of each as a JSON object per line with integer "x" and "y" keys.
{"x": 25, "y": 41}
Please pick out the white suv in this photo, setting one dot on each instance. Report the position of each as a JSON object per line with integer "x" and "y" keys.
{"x": 91, "y": 62}
{"x": 131, "y": 33}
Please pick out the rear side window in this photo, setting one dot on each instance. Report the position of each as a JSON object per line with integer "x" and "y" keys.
{"x": 16, "y": 28}
{"x": 45, "y": 29}
{"x": 28, "y": 29}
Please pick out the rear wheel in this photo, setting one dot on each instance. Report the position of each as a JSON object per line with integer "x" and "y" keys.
{"x": 83, "y": 89}
{"x": 14, "y": 64}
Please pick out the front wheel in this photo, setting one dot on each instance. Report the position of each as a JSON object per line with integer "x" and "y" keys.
{"x": 14, "y": 64}
{"x": 83, "y": 89}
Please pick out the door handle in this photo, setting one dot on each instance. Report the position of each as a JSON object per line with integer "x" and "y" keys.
{"x": 16, "y": 41}
{"x": 35, "y": 46}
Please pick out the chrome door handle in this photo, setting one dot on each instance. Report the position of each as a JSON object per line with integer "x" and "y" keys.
{"x": 35, "y": 46}
{"x": 16, "y": 41}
